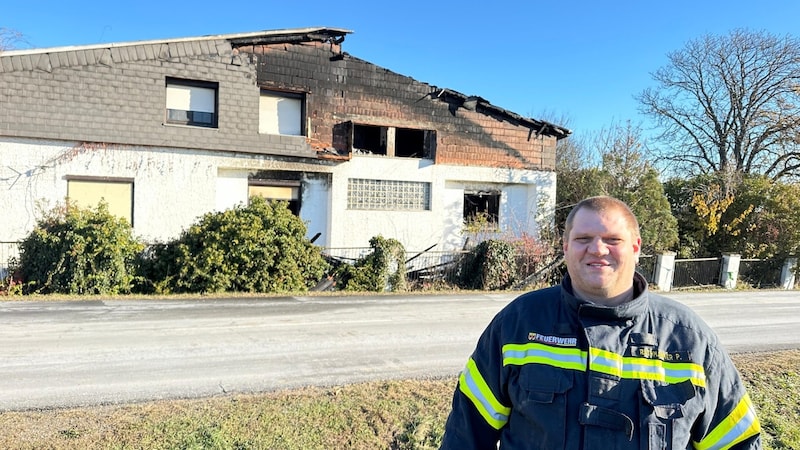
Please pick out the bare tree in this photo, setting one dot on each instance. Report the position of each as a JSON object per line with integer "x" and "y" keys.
{"x": 9, "y": 38}
{"x": 730, "y": 104}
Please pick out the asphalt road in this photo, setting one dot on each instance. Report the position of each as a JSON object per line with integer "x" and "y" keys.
{"x": 80, "y": 353}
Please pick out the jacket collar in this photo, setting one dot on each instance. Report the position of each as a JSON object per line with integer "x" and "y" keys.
{"x": 627, "y": 310}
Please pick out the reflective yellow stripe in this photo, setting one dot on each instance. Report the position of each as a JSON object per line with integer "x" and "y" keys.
{"x": 605, "y": 362}
{"x": 472, "y": 384}
{"x": 740, "y": 424}
{"x": 645, "y": 369}
{"x": 536, "y": 353}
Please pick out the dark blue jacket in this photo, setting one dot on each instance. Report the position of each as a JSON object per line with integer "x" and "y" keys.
{"x": 555, "y": 372}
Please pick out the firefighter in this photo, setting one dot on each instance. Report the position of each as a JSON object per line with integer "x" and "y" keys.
{"x": 598, "y": 362}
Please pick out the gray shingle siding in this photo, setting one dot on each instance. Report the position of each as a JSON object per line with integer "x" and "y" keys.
{"x": 117, "y": 95}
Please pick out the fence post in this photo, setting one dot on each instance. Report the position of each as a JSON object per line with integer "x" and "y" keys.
{"x": 665, "y": 271}
{"x": 730, "y": 270}
{"x": 787, "y": 273}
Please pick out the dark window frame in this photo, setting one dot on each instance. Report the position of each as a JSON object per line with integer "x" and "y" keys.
{"x": 190, "y": 119}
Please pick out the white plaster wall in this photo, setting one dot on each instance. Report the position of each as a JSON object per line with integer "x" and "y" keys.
{"x": 231, "y": 183}
{"x": 315, "y": 208}
{"x": 174, "y": 188}
{"x": 441, "y": 226}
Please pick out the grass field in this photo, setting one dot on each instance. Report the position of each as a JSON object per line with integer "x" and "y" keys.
{"x": 394, "y": 415}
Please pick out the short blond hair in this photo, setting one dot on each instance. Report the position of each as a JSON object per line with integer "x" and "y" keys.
{"x": 602, "y": 203}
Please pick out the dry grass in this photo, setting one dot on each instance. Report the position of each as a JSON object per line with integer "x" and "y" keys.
{"x": 377, "y": 415}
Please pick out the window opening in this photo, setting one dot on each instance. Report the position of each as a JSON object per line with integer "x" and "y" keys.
{"x": 389, "y": 141}
{"x": 369, "y": 139}
{"x": 482, "y": 207}
{"x": 410, "y": 143}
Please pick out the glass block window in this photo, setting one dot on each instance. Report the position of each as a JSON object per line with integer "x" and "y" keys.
{"x": 388, "y": 195}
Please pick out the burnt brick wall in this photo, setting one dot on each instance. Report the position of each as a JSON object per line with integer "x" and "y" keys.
{"x": 116, "y": 94}
{"x": 343, "y": 88}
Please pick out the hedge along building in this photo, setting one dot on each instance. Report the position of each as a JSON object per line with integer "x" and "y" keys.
{"x": 166, "y": 131}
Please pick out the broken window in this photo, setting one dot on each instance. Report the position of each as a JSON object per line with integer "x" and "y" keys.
{"x": 482, "y": 207}
{"x": 369, "y": 139}
{"x": 388, "y": 141}
{"x": 409, "y": 143}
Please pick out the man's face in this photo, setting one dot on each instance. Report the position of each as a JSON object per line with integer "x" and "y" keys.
{"x": 601, "y": 254}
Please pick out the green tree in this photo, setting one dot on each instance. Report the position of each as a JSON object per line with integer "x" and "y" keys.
{"x": 699, "y": 203}
{"x": 752, "y": 215}
{"x": 763, "y": 220}
{"x": 625, "y": 175}
{"x": 729, "y": 104}
{"x": 579, "y": 175}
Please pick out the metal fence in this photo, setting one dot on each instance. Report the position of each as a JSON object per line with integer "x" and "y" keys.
{"x": 760, "y": 273}
{"x": 647, "y": 267}
{"x": 698, "y": 272}
{"x": 8, "y": 250}
{"x": 423, "y": 268}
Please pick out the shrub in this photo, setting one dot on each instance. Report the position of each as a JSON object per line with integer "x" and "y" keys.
{"x": 79, "y": 251}
{"x": 260, "y": 247}
{"x": 538, "y": 261}
{"x": 491, "y": 265}
{"x": 382, "y": 270}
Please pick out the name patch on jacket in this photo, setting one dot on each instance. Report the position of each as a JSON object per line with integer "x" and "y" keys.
{"x": 654, "y": 353}
{"x": 553, "y": 340}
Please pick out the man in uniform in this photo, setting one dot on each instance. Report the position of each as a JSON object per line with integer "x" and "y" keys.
{"x": 599, "y": 362}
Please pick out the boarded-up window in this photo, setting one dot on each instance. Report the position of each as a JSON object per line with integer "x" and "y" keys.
{"x": 280, "y": 113}
{"x": 191, "y": 103}
{"x": 118, "y": 194}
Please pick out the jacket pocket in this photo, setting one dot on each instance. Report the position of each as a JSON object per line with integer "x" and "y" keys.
{"x": 541, "y": 405}
{"x": 666, "y": 417}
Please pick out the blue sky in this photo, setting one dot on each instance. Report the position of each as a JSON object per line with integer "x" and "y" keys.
{"x": 580, "y": 61}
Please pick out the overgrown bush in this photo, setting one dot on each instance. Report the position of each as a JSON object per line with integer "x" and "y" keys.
{"x": 383, "y": 269}
{"x": 260, "y": 247}
{"x": 491, "y": 265}
{"x": 538, "y": 261}
{"x": 76, "y": 250}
